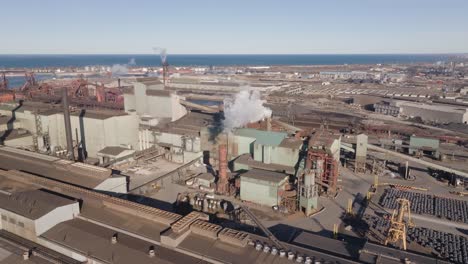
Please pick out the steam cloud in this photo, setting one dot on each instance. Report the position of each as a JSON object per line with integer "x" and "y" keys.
{"x": 246, "y": 107}
{"x": 119, "y": 69}
{"x": 122, "y": 69}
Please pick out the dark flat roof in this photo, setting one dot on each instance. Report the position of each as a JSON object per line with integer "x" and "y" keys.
{"x": 32, "y": 204}
{"x": 291, "y": 143}
{"x": 154, "y": 92}
{"x": 95, "y": 241}
{"x": 264, "y": 175}
{"x": 246, "y": 159}
{"x": 112, "y": 150}
{"x": 34, "y": 163}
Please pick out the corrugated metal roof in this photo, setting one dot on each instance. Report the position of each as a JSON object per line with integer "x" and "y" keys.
{"x": 269, "y": 138}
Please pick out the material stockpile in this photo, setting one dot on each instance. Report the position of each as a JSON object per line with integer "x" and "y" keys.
{"x": 426, "y": 204}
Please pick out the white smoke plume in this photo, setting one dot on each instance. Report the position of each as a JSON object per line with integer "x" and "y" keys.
{"x": 119, "y": 69}
{"x": 122, "y": 69}
{"x": 162, "y": 53}
{"x": 246, "y": 107}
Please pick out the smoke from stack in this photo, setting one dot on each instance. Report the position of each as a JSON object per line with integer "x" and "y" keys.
{"x": 122, "y": 69}
{"x": 246, "y": 107}
{"x": 119, "y": 69}
{"x": 162, "y": 53}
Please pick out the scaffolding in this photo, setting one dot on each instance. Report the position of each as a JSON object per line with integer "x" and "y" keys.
{"x": 326, "y": 169}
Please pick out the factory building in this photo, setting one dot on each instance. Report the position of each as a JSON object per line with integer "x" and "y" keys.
{"x": 387, "y": 108}
{"x": 148, "y": 99}
{"x": 268, "y": 147}
{"x": 318, "y": 173}
{"x": 359, "y": 75}
{"x": 437, "y": 113}
{"x": 262, "y": 186}
{"x": 93, "y": 130}
{"x": 420, "y": 145}
{"x": 54, "y": 212}
{"x": 31, "y": 213}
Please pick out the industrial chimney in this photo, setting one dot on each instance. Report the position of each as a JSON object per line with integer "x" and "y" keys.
{"x": 68, "y": 130}
{"x": 268, "y": 123}
{"x": 222, "y": 186}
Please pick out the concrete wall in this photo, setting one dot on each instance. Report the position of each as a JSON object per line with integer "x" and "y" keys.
{"x": 276, "y": 155}
{"x": 56, "y": 216}
{"x": 159, "y": 106}
{"x": 168, "y": 138}
{"x": 284, "y": 156}
{"x": 115, "y": 184}
{"x": 244, "y": 145}
{"x": 17, "y": 224}
{"x": 129, "y": 102}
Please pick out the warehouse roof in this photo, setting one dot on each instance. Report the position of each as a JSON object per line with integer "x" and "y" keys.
{"x": 95, "y": 241}
{"x": 112, "y": 150}
{"x": 32, "y": 204}
{"x": 246, "y": 159}
{"x": 292, "y": 143}
{"x": 190, "y": 124}
{"x": 434, "y": 107}
{"x": 269, "y": 138}
{"x": 52, "y": 167}
{"x": 264, "y": 175}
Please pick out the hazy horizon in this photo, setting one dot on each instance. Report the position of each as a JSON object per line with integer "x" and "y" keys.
{"x": 240, "y": 27}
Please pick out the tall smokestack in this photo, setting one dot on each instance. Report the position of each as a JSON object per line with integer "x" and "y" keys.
{"x": 118, "y": 80}
{"x": 68, "y": 130}
{"x": 223, "y": 181}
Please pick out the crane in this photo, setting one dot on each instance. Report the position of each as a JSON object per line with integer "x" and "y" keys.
{"x": 398, "y": 226}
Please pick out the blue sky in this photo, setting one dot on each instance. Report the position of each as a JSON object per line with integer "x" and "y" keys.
{"x": 234, "y": 27}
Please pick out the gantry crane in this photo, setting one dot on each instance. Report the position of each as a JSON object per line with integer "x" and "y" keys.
{"x": 398, "y": 225}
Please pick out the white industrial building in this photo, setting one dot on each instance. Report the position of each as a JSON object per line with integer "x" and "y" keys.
{"x": 434, "y": 112}
{"x": 92, "y": 130}
{"x": 148, "y": 99}
{"x": 30, "y": 213}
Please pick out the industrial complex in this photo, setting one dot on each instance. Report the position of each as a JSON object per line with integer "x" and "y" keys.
{"x": 267, "y": 164}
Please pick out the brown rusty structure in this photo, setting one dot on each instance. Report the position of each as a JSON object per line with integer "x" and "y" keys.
{"x": 222, "y": 186}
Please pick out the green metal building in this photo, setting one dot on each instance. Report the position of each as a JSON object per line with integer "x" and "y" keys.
{"x": 262, "y": 186}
